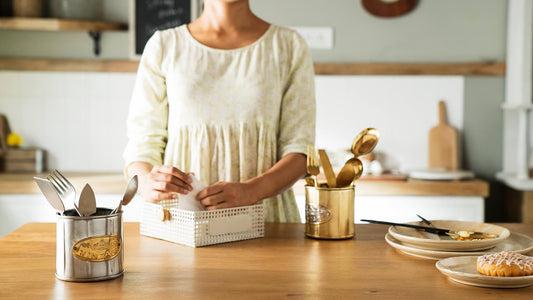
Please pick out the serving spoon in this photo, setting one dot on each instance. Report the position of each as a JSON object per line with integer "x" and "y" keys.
{"x": 363, "y": 144}
{"x": 352, "y": 170}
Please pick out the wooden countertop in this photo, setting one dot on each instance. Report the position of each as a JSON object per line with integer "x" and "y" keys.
{"x": 282, "y": 264}
{"x": 115, "y": 183}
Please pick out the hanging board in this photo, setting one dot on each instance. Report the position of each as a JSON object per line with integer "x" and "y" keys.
{"x": 148, "y": 16}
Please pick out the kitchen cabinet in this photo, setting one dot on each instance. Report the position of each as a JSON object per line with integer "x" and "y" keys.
{"x": 398, "y": 201}
{"x": 401, "y": 201}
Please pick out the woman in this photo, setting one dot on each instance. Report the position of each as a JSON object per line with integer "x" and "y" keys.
{"x": 229, "y": 97}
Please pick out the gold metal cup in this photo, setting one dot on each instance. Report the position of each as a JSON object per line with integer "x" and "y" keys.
{"x": 329, "y": 212}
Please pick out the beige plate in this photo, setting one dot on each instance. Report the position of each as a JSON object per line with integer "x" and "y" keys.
{"x": 430, "y": 241}
{"x": 516, "y": 242}
{"x": 463, "y": 270}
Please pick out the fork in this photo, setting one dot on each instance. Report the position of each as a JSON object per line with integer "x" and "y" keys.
{"x": 64, "y": 188}
{"x": 313, "y": 165}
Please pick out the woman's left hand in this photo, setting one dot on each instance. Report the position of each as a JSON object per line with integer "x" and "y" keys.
{"x": 227, "y": 194}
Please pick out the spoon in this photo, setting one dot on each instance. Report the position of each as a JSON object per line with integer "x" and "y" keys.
{"x": 351, "y": 170}
{"x": 129, "y": 193}
{"x": 365, "y": 142}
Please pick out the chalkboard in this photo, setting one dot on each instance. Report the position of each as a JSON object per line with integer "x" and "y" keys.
{"x": 148, "y": 16}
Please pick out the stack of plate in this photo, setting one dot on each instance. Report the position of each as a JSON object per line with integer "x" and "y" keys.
{"x": 433, "y": 246}
{"x": 457, "y": 259}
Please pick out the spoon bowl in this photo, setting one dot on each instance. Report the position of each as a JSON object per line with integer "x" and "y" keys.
{"x": 129, "y": 193}
{"x": 352, "y": 170}
{"x": 365, "y": 142}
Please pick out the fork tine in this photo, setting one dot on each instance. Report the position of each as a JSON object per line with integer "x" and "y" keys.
{"x": 65, "y": 180}
{"x": 57, "y": 186}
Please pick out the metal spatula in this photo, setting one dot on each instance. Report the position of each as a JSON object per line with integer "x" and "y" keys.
{"x": 87, "y": 202}
{"x": 50, "y": 193}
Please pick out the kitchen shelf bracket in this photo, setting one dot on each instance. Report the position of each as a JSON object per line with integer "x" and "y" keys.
{"x": 96, "y": 36}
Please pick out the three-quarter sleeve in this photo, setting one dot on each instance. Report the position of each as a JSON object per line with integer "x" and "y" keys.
{"x": 148, "y": 111}
{"x": 298, "y": 112}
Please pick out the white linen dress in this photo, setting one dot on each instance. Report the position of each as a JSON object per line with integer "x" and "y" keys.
{"x": 226, "y": 115}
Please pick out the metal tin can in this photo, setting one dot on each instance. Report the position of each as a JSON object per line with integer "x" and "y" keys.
{"x": 89, "y": 248}
{"x": 329, "y": 212}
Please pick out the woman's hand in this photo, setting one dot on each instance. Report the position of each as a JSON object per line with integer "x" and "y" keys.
{"x": 228, "y": 194}
{"x": 162, "y": 183}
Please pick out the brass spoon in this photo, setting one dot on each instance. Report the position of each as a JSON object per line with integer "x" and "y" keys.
{"x": 365, "y": 142}
{"x": 351, "y": 170}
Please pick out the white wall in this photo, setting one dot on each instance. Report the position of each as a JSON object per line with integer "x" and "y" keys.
{"x": 79, "y": 118}
{"x": 402, "y": 108}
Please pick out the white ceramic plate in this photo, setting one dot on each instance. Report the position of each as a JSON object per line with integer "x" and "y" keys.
{"x": 441, "y": 174}
{"x": 430, "y": 241}
{"x": 516, "y": 242}
{"x": 464, "y": 270}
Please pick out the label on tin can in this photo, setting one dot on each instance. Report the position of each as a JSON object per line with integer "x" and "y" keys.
{"x": 316, "y": 214}
{"x": 97, "y": 248}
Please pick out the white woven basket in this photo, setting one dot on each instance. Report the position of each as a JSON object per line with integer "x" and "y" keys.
{"x": 201, "y": 228}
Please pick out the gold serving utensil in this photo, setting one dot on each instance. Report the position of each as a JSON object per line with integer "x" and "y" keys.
{"x": 461, "y": 235}
{"x": 363, "y": 144}
{"x": 351, "y": 171}
{"x": 309, "y": 181}
{"x": 313, "y": 166}
{"x": 328, "y": 169}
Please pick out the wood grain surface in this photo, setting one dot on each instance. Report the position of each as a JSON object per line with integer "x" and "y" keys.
{"x": 443, "y": 143}
{"x": 115, "y": 183}
{"x": 283, "y": 264}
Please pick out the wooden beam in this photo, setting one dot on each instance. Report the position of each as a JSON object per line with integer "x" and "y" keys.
{"x": 463, "y": 69}
{"x": 87, "y": 65}
{"x": 46, "y": 24}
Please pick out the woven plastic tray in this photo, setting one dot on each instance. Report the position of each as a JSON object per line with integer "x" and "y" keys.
{"x": 201, "y": 228}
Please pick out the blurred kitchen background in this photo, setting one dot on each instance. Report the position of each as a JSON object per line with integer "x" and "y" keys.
{"x": 383, "y": 72}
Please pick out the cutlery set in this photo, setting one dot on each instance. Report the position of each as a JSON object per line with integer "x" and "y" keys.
{"x": 459, "y": 235}
{"x": 58, "y": 190}
{"x": 363, "y": 144}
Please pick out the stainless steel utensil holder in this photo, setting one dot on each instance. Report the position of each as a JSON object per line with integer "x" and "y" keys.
{"x": 89, "y": 248}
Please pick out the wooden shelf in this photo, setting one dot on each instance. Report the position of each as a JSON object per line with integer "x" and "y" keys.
{"x": 95, "y": 28}
{"x": 128, "y": 66}
{"x": 42, "y": 24}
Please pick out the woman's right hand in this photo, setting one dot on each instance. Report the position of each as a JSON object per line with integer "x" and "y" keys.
{"x": 160, "y": 182}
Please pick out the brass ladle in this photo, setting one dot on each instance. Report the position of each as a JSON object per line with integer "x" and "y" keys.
{"x": 363, "y": 144}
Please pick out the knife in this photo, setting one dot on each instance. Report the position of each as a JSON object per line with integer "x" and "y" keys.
{"x": 458, "y": 235}
{"x": 328, "y": 170}
{"x": 50, "y": 193}
{"x": 87, "y": 201}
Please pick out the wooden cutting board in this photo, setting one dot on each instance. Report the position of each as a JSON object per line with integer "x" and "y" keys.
{"x": 443, "y": 143}
{"x": 4, "y": 132}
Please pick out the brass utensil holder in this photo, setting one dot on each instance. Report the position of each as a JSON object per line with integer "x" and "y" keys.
{"x": 329, "y": 212}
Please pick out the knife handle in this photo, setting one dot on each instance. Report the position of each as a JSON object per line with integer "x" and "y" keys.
{"x": 428, "y": 229}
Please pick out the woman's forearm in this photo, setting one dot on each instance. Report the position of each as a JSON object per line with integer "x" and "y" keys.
{"x": 280, "y": 177}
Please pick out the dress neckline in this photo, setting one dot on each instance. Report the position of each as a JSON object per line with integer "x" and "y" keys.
{"x": 195, "y": 41}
